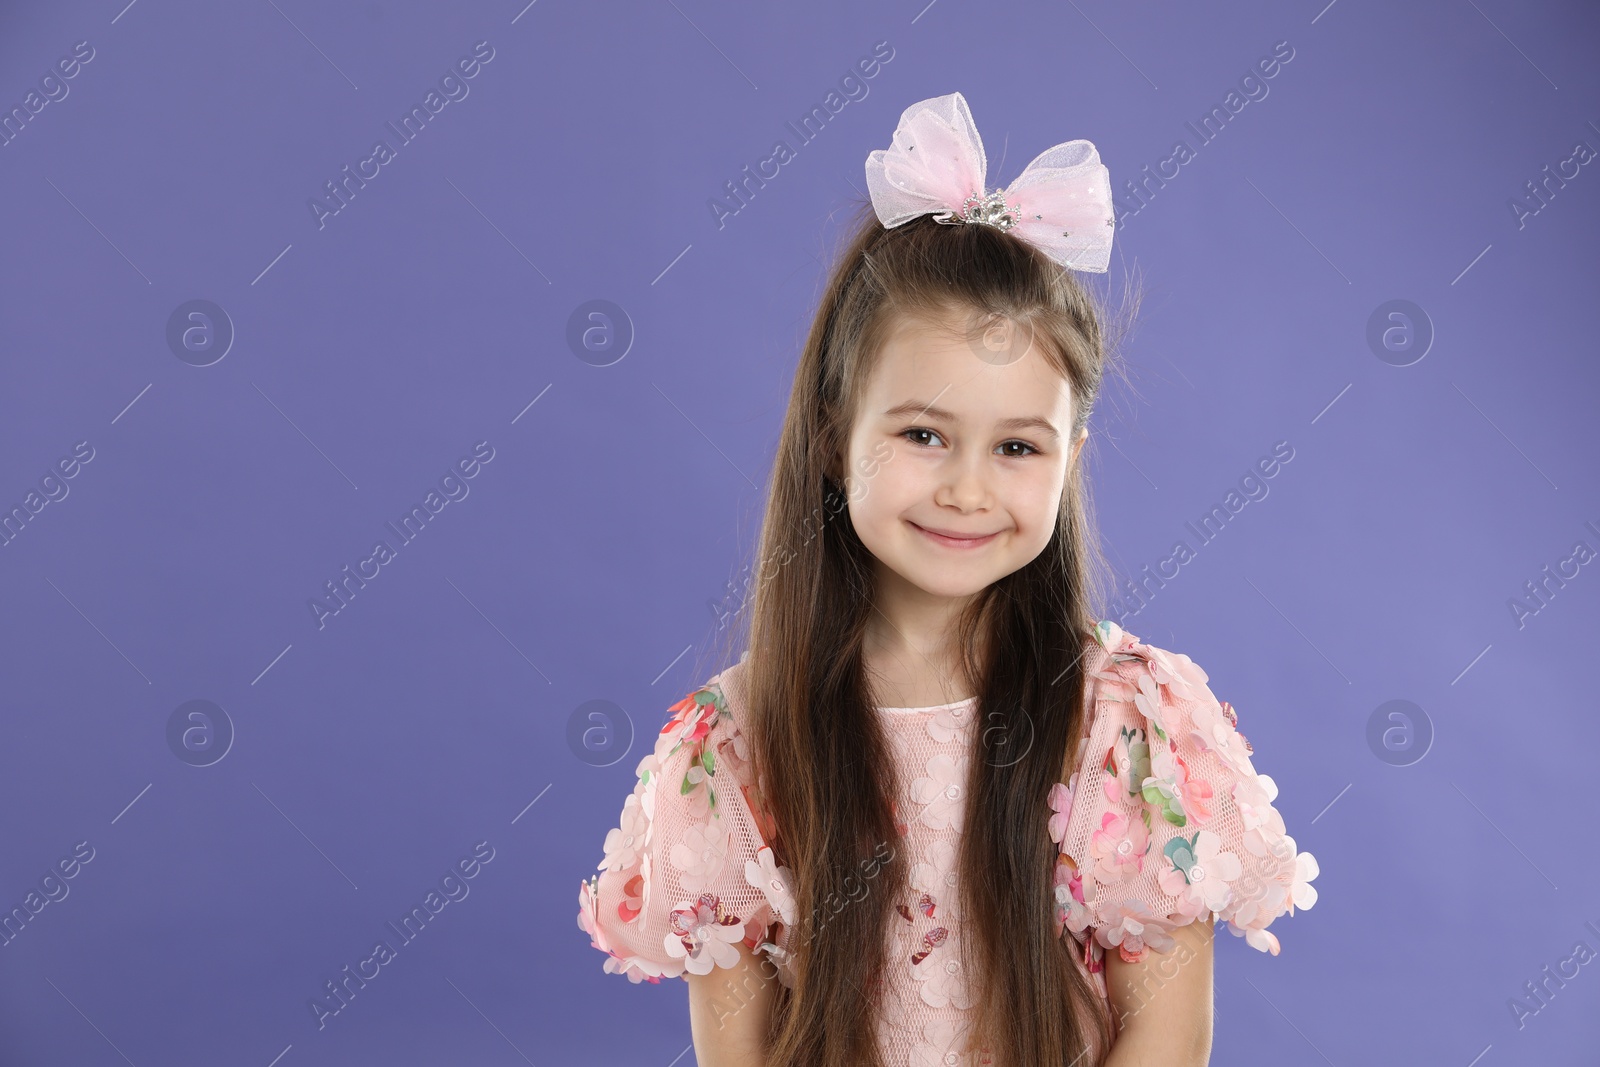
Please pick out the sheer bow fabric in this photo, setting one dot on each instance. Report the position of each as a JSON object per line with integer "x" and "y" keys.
{"x": 1060, "y": 203}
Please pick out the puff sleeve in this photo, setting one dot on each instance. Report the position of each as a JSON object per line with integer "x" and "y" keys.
{"x": 686, "y": 873}
{"x": 1166, "y": 820}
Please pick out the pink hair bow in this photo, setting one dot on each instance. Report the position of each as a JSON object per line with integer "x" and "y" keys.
{"x": 1060, "y": 203}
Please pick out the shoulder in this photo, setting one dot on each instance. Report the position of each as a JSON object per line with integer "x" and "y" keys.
{"x": 1153, "y": 679}
{"x": 688, "y": 871}
{"x": 708, "y": 718}
{"x": 700, "y": 738}
{"x": 1125, "y": 660}
{"x": 1169, "y": 820}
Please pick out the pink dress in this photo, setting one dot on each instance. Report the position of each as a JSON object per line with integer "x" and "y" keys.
{"x": 1164, "y": 821}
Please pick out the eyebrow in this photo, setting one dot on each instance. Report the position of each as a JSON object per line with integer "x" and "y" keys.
{"x": 917, "y": 407}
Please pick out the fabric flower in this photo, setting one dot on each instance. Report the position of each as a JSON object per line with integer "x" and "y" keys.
{"x": 636, "y": 969}
{"x": 1176, "y": 671}
{"x": 703, "y": 935}
{"x": 1253, "y": 796}
{"x": 691, "y": 720}
{"x": 1262, "y": 940}
{"x": 1195, "y": 793}
{"x": 647, "y": 769}
{"x": 636, "y": 893}
{"x": 587, "y": 903}
{"x": 1061, "y": 804}
{"x": 1127, "y": 765}
{"x": 1165, "y": 786}
{"x": 1212, "y": 732}
{"x": 946, "y": 723}
{"x": 775, "y": 883}
{"x": 1271, "y": 844}
{"x": 936, "y": 876}
{"x": 782, "y": 962}
{"x": 939, "y": 1041}
{"x": 1171, "y": 789}
{"x": 646, "y": 792}
{"x": 1201, "y": 873}
{"x": 1155, "y": 710}
{"x": 738, "y": 748}
{"x": 1119, "y": 847}
{"x": 1302, "y": 894}
{"x": 1131, "y": 928}
{"x": 1113, "y": 639}
{"x": 1264, "y": 895}
{"x": 1072, "y": 911}
{"x": 625, "y": 843}
{"x": 1275, "y": 852}
{"x": 940, "y": 792}
{"x": 733, "y": 747}
{"x": 942, "y": 982}
{"x": 700, "y": 854}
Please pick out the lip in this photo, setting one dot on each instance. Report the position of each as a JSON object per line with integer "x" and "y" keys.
{"x": 955, "y": 539}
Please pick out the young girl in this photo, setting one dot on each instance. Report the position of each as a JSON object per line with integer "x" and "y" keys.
{"x": 936, "y": 814}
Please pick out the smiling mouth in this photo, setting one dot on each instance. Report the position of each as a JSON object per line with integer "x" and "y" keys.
{"x": 955, "y": 542}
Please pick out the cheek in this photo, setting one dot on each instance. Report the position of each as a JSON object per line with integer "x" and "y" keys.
{"x": 1036, "y": 505}
{"x": 888, "y": 491}
{"x": 870, "y": 508}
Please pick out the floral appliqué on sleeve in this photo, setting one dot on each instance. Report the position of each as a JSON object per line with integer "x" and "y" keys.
{"x": 1181, "y": 827}
{"x": 702, "y": 928}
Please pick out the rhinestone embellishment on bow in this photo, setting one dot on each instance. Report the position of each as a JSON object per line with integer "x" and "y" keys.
{"x": 990, "y": 210}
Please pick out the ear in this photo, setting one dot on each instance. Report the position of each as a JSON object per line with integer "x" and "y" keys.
{"x": 1077, "y": 446}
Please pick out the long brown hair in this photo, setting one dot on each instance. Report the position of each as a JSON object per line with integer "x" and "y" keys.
{"x": 822, "y": 757}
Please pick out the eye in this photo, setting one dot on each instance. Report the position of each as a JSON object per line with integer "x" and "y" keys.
{"x": 911, "y": 435}
{"x": 916, "y": 430}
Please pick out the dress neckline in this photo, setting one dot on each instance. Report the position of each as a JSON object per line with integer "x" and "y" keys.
{"x": 934, "y": 707}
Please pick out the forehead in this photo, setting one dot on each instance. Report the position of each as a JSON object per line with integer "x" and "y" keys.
{"x": 941, "y": 358}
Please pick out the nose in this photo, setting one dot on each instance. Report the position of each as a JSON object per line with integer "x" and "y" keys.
{"x": 962, "y": 483}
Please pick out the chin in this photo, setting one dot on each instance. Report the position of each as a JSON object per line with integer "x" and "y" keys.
{"x": 954, "y": 592}
{"x": 949, "y": 582}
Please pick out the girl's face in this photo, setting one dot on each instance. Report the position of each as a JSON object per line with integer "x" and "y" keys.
{"x": 956, "y": 438}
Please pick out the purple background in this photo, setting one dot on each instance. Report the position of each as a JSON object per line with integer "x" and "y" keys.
{"x": 370, "y": 754}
